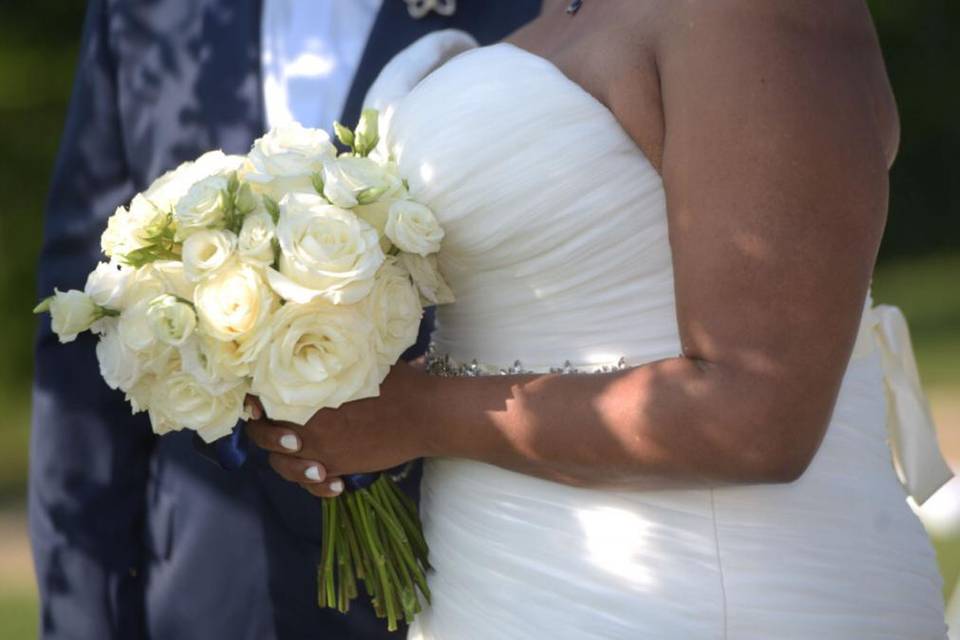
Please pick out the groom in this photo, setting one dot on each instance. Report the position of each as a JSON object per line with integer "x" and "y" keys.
{"x": 136, "y": 536}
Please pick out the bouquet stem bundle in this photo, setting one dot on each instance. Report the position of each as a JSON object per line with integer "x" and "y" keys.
{"x": 373, "y": 534}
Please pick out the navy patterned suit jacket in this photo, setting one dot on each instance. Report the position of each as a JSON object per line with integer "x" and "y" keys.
{"x": 136, "y": 536}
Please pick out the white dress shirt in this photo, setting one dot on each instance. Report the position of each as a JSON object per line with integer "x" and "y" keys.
{"x": 309, "y": 53}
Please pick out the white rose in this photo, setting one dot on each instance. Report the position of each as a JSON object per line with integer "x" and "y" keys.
{"x": 172, "y": 278}
{"x": 179, "y": 401}
{"x": 134, "y": 326}
{"x": 235, "y": 304}
{"x": 319, "y": 356}
{"x": 169, "y": 188}
{"x": 107, "y": 284}
{"x": 426, "y": 275}
{"x": 202, "y": 207}
{"x": 211, "y": 362}
{"x": 255, "y": 243}
{"x": 346, "y": 178}
{"x": 72, "y": 312}
{"x": 120, "y": 237}
{"x": 205, "y": 251}
{"x": 375, "y": 214}
{"x": 138, "y": 396}
{"x": 285, "y": 159}
{"x": 129, "y": 229}
{"x": 216, "y": 163}
{"x": 119, "y": 365}
{"x": 144, "y": 285}
{"x": 394, "y": 307}
{"x": 325, "y": 251}
{"x": 154, "y": 279}
{"x": 171, "y": 320}
{"x": 413, "y": 228}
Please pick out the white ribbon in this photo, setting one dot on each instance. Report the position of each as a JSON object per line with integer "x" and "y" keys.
{"x": 913, "y": 436}
{"x": 420, "y": 8}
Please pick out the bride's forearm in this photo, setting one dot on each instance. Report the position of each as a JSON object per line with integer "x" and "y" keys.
{"x": 669, "y": 423}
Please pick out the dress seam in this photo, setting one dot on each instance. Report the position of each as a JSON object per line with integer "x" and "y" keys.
{"x": 716, "y": 541}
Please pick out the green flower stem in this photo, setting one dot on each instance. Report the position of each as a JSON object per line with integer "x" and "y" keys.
{"x": 366, "y": 555}
{"x": 416, "y": 566}
{"x": 374, "y": 535}
{"x": 354, "y": 560}
{"x": 329, "y": 542}
{"x": 407, "y": 511}
{"x": 346, "y": 580}
{"x": 408, "y": 588}
{"x": 379, "y": 558}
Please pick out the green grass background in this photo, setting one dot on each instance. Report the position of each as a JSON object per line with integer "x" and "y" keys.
{"x": 919, "y": 268}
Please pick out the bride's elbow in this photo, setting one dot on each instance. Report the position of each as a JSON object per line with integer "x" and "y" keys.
{"x": 779, "y": 450}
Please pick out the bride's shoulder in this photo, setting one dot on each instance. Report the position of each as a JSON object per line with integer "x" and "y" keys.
{"x": 795, "y": 53}
{"x": 414, "y": 63}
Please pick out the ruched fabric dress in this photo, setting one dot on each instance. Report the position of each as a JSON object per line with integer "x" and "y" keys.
{"x": 556, "y": 248}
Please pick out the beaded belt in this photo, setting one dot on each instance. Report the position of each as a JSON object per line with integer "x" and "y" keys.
{"x": 441, "y": 364}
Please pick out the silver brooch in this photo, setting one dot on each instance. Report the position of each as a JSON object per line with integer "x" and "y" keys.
{"x": 420, "y": 8}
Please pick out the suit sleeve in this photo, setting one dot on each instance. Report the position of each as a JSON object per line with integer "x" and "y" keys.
{"x": 88, "y": 456}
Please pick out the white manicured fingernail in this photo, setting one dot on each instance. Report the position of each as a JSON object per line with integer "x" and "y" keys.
{"x": 290, "y": 442}
{"x": 313, "y": 473}
{"x": 336, "y": 486}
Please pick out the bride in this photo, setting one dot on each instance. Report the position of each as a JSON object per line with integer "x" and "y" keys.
{"x": 662, "y": 219}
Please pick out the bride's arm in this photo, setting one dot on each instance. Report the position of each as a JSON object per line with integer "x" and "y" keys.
{"x": 775, "y": 169}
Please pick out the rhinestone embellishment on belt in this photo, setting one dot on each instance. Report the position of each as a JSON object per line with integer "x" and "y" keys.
{"x": 441, "y": 364}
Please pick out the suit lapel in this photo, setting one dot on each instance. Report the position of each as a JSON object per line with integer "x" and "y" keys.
{"x": 392, "y": 30}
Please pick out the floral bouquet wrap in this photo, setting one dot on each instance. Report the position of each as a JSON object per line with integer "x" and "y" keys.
{"x": 295, "y": 274}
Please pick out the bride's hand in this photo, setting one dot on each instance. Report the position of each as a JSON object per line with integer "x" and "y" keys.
{"x": 361, "y": 436}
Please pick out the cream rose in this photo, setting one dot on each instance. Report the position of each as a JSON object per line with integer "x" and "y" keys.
{"x": 203, "y": 206}
{"x": 346, "y": 178}
{"x": 255, "y": 243}
{"x": 169, "y": 188}
{"x": 119, "y": 365}
{"x": 71, "y": 313}
{"x": 178, "y": 401}
{"x": 325, "y": 252}
{"x": 235, "y": 304}
{"x": 413, "y": 228}
{"x": 212, "y": 363}
{"x": 395, "y": 310}
{"x": 171, "y": 320}
{"x": 426, "y": 275}
{"x": 107, "y": 284}
{"x": 129, "y": 229}
{"x": 319, "y": 356}
{"x": 134, "y": 227}
{"x": 207, "y": 250}
{"x": 286, "y": 158}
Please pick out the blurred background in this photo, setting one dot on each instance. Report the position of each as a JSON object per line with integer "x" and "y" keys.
{"x": 919, "y": 267}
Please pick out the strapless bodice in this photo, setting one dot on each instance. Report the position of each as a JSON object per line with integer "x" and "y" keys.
{"x": 556, "y": 230}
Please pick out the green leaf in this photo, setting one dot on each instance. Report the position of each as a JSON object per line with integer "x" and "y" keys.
{"x": 44, "y": 305}
{"x": 246, "y": 200}
{"x": 272, "y": 208}
{"x": 317, "y": 180}
{"x": 371, "y": 195}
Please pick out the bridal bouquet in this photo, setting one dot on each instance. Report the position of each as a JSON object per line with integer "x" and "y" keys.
{"x": 294, "y": 274}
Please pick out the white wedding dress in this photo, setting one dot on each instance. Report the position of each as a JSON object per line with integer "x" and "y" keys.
{"x": 556, "y": 247}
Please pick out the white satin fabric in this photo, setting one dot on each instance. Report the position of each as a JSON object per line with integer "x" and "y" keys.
{"x": 557, "y": 250}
